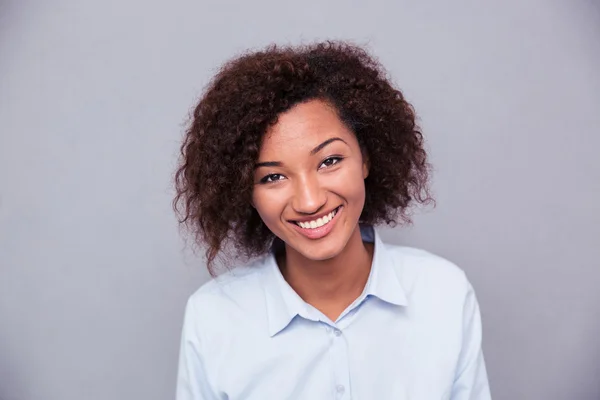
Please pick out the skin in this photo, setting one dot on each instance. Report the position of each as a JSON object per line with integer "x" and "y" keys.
{"x": 309, "y": 164}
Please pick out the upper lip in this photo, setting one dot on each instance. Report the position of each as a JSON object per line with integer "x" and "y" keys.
{"x": 314, "y": 217}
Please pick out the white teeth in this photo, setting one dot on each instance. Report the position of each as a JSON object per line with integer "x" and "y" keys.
{"x": 318, "y": 222}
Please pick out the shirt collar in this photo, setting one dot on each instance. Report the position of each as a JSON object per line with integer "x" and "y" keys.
{"x": 383, "y": 281}
{"x": 284, "y": 304}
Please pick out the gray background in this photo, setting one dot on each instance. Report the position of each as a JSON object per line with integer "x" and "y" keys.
{"x": 93, "y": 100}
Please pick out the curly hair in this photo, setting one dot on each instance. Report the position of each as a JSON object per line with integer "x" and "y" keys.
{"x": 214, "y": 180}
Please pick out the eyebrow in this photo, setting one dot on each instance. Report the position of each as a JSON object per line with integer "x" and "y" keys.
{"x": 325, "y": 143}
{"x": 312, "y": 153}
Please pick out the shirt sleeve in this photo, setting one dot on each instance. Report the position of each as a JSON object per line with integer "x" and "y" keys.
{"x": 471, "y": 382}
{"x": 192, "y": 377}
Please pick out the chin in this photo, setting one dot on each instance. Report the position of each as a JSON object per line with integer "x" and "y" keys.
{"x": 319, "y": 254}
{"x": 323, "y": 249}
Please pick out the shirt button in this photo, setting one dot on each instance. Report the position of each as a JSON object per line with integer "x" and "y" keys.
{"x": 340, "y": 389}
{"x": 337, "y": 332}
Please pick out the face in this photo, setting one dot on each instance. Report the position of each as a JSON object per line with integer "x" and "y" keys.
{"x": 309, "y": 181}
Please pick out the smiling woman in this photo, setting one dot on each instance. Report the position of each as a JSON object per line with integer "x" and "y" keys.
{"x": 292, "y": 157}
{"x": 323, "y": 175}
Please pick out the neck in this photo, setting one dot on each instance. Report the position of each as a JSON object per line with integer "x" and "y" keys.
{"x": 330, "y": 285}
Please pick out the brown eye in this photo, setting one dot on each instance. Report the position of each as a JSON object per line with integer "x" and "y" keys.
{"x": 328, "y": 162}
{"x": 272, "y": 178}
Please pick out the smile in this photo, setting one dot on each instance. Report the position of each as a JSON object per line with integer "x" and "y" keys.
{"x": 319, "y": 222}
{"x": 318, "y": 227}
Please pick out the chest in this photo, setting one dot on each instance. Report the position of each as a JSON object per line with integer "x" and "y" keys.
{"x": 385, "y": 355}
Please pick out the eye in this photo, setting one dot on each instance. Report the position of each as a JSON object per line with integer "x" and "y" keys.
{"x": 272, "y": 178}
{"x": 328, "y": 162}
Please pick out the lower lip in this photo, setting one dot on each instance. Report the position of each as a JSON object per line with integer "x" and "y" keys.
{"x": 322, "y": 231}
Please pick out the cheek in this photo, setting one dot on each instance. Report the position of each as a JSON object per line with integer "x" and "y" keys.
{"x": 351, "y": 183}
{"x": 267, "y": 204}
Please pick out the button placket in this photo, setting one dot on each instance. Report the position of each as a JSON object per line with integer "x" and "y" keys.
{"x": 340, "y": 364}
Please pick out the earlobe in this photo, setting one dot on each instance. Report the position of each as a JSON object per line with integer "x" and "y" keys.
{"x": 366, "y": 164}
{"x": 366, "y": 167}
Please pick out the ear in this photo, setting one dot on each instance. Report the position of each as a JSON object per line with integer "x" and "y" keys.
{"x": 366, "y": 166}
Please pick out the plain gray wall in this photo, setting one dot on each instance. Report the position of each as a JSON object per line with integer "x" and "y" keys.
{"x": 93, "y": 98}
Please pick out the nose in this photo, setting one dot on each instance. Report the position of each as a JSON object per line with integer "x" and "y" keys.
{"x": 309, "y": 196}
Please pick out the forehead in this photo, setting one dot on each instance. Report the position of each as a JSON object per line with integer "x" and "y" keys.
{"x": 303, "y": 127}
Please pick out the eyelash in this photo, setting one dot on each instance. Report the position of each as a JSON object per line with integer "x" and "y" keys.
{"x": 337, "y": 159}
{"x": 267, "y": 178}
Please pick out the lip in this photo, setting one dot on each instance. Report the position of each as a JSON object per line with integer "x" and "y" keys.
{"x": 314, "y": 217}
{"x": 320, "y": 232}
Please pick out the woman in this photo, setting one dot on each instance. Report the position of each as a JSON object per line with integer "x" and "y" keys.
{"x": 292, "y": 156}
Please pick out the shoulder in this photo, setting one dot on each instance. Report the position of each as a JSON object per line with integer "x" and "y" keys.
{"x": 423, "y": 272}
{"x": 237, "y": 292}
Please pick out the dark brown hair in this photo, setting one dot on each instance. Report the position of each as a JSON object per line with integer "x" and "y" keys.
{"x": 214, "y": 181}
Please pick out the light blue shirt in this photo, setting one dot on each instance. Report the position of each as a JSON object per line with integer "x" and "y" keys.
{"x": 413, "y": 334}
